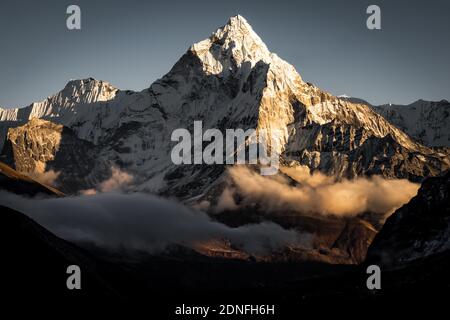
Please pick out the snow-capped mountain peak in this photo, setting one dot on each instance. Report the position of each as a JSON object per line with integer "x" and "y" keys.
{"x": 89, "y": 90}
{"x": 230, "y": 46}
{"x": 79, "y": 102}
{"x": 75, "y": 92}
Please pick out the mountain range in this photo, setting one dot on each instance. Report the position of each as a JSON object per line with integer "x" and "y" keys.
{"x": 90, "y": 130}
{"x": 229, "y": 80}
{"x": 427, "y": 122}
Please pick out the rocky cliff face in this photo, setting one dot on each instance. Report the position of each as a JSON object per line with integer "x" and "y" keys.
{"x": 417, "y": 230}
{"x": 47, "y": 150}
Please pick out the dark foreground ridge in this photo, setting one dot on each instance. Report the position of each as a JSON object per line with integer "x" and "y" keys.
{"x": 16, "y": 182}
{"x": 34, "y": 263}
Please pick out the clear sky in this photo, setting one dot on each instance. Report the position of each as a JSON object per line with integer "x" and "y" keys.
{"x": 131, "y": 43}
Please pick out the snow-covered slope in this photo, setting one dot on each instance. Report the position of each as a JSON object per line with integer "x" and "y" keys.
{"x": 73, "y": 98}
{"x": 87, "y": 99}
{"x": 426, "y": 121}
{"x": 353, "y": 99}
{"x": 231, "y": 80}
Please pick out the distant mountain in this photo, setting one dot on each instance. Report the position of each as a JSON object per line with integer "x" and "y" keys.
{"x": 426, "y": 121}
{"x": 417, "y": 230}
{"x": 76, "y": 97}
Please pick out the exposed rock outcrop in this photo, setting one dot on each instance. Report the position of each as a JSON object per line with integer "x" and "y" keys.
{"x": 52, "y": 152}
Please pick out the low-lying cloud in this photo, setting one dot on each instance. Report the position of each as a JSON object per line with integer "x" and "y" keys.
{"x": 117, "y": 181}
{"x": 48, "y": 177}
{"x": 317, "y": 193}
{"x": 144, "y": 222}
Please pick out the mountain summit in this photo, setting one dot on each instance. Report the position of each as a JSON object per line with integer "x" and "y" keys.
{"x": 230, "y": 80}
{"x": 230, "y": 46}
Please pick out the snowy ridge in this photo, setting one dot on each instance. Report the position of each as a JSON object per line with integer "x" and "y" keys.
{"x": 426, "y": 121}
{"x": 78, "y": 99}
{"x": 75, "y": 93}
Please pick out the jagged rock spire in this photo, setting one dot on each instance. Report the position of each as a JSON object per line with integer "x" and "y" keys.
{"x": 233, "y": 43}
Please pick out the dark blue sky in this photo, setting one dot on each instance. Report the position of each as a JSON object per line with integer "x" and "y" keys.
{"x": 132, "y": 43}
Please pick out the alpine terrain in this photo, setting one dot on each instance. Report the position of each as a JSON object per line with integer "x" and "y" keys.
{"x": 228, "y": 81}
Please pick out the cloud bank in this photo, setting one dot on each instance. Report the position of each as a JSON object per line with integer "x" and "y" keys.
{"x": 48, "y": 177}
{"x": 317, "y": 193}
{"x": 117, "y": 181}
{"x": 144, "y": 222}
